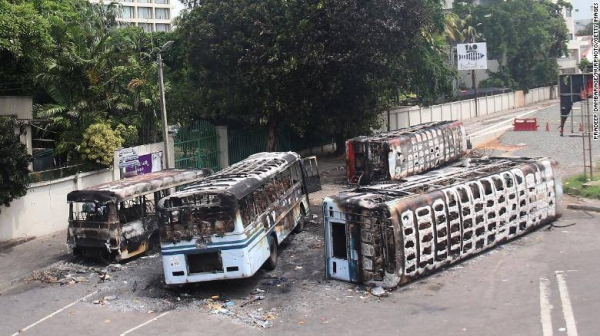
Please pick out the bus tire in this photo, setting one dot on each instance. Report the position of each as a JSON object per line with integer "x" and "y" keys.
{"x": 300, "y": 226}
{"x": 271, "y": 262}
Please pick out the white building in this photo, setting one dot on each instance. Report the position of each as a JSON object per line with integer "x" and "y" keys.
{"x": 151, "y": 15}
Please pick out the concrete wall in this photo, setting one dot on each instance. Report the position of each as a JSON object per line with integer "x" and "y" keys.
{"x": 464, "y": 109}
{"x": 44, "y": 209}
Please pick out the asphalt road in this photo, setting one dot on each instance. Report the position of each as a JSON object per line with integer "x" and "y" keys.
{"x": 547, "y": 279}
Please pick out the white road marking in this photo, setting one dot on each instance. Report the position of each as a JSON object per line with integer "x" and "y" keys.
{"x": 566, "y": 305}
{"x": 56, "y": 312}
{"x": 143, "y": 324}
{"x": 545, "y": 307}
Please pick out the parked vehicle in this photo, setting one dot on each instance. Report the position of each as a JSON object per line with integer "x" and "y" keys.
{"x": 231, "y": 223}
{"x": 404, "y": 152}
{"x": 118, "y": 220}
{"x": 388, "y": 234}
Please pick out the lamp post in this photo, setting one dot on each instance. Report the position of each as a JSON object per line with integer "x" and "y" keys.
{"x": 163, "y": 106}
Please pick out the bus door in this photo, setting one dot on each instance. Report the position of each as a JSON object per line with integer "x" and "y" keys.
{"x": 310, "y": 170}
{"x": 342, "y": 243}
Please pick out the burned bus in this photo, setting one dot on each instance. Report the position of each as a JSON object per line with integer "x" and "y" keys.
{"x": 118, "y": 220}
{"x": 229, "y": 225}
{"x": 404, "y": 152}
{"x": 390, "y": 233}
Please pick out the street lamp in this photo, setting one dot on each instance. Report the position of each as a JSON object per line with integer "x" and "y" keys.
{"x": 163, "y": 106}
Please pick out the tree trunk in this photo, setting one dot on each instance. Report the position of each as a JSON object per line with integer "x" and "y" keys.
{"x": 340, "y": 144}
{"x": 271, "y": 136}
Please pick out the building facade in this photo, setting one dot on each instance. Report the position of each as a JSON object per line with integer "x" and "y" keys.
{"x": 151, "y": 15}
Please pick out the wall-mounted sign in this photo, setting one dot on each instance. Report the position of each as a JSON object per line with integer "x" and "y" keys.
{"x": 147, "y": 163}
{"x": 472, "y": 56}
{"x": 128, "y": 158}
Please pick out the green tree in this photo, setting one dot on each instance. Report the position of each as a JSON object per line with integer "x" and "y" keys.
{"x": 25, "y": 43}
{"x": 587, "y": 30}
{"x": 329, "y": 66}
{"x": 14, "y": 162}
{"x": 525, "y": 36}
{"x": 99, "y": 144}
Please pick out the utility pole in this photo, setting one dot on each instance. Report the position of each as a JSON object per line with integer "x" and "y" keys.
{"x": 163, "y": 105}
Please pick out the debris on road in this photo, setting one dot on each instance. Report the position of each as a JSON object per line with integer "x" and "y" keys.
{"x": 379, "y": 291}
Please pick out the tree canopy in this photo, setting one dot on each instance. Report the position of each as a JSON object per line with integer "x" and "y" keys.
{"x": 525, "y": 36}
{"x": 329, "y": 66}
{"x": 14, "y": 162}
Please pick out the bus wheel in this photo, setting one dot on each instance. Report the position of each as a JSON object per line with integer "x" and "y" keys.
{"x": 300, "y": 226}
{"x": 271, "y": 262}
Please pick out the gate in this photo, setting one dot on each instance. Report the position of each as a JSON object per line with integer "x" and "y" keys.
{"x": 196, "y": 146}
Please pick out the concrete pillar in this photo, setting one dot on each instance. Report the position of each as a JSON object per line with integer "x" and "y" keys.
{"x": 171, "y": 145}
{"x": 223, "y": 146}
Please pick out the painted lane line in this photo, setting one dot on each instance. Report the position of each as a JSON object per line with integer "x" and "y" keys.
{"x": 566, "y": 305}
{"x": 143, "y": 324}
{"x": 510, "y": 120}
{"x": 545, "y": 307}
{"x": 56, "y": 312}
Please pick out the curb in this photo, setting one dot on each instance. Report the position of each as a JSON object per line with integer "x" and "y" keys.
{"x": 583, "y": 207}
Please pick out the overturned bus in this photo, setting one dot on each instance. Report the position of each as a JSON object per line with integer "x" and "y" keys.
{"x": 388, "y": 234}
{"x": 404, "y": 152}
{"x": 118, "y": 220}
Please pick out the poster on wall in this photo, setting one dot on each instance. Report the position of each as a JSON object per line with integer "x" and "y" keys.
{"x": 148, "y": 163}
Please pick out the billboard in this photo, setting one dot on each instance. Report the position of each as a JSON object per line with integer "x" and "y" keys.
{"x": 472, "y": 56}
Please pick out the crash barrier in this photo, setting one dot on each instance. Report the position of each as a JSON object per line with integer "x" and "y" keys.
{"x": 525, "y": 124}
{"x": 408, "y": 151}
{"x": 391, "y": 233}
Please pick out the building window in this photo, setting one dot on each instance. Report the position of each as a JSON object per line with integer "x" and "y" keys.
{"x": 162, "y": 2}
{"x": 568, "y": 12}
{"x": 144, "y": 13}
{"x": 144, "y": 1}
{"x": 162, "y": 14}
{"x": 162, "y": 27}
{"x": 570, "y": 37}
{"x": 147, "y": 27}
{"x": 127, "y": 12}
{"x": 126, "y": 0}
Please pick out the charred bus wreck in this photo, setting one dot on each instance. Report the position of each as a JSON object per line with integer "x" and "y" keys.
{"x": 230, "y": 224}
{"x": 390, "y": 233}
{"x": 118, "y": 219}
{"x": 404, "y": 152}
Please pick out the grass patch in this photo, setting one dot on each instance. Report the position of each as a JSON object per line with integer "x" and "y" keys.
{"x": 574, "y": 186}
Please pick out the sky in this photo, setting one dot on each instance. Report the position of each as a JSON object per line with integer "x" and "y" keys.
{"x": 584, "y": 12}
{"x": 178, "y": 7}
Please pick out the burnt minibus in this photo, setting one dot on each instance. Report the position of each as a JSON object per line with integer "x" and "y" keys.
{"x": 118, "y": 220}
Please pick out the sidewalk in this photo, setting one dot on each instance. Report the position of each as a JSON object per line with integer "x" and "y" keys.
{"x": 18, "y": 262}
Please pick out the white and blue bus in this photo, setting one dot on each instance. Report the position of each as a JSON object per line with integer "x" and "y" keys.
{"x": 229, "y": 225}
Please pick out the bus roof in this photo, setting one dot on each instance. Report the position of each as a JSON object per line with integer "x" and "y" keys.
{"x": 243, "y": 177}
{"x": 122, "y": 190}
{"x": 385, "y": 136}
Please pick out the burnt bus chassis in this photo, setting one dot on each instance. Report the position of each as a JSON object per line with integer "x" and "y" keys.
{"x": 404, "y": 152}
{"x": 396, "y": 232}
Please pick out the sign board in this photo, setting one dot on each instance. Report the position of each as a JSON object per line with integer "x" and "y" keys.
{"x": 472, "y": 56}
{"x": 128, "y": 158}
{"x": 147, "y": 163}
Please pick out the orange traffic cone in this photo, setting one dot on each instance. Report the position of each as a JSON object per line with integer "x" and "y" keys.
{"x": 547, "y": 127}
{"x": 580, "y": 127}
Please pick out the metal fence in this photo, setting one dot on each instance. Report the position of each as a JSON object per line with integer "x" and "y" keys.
{"x": 196, "y": 146}
{"x": 245, "y": 142}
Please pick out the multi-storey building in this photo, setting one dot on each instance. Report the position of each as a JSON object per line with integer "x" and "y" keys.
{"x": 151, "y": 15}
